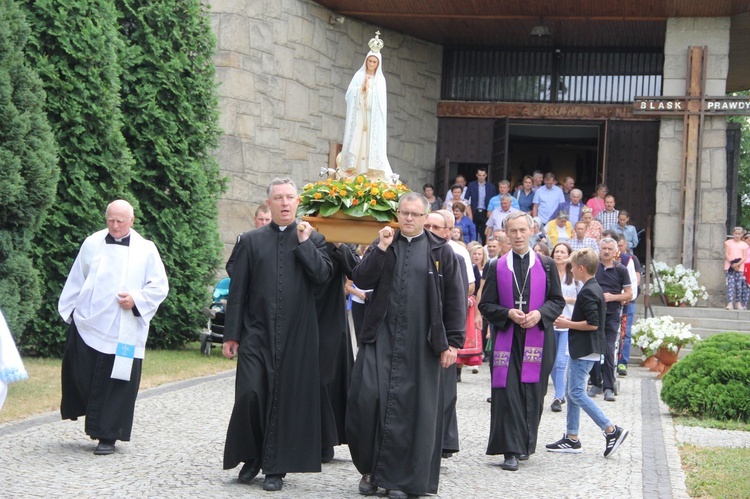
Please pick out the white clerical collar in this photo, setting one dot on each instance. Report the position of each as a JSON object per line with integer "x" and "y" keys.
{"x": 409, "y": 238}
{"x": 123, "y": 237}
{"x": 282, "y": 229}
{"x": 532, "y": 258}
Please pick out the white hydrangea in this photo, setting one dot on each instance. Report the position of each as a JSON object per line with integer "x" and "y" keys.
{"x": 662, "y": 332}
{"x": 679, "y": 284}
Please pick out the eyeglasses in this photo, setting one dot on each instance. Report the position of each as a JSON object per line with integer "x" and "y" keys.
{"x": 410, "y": 214}
{"x": 431, "y": 226}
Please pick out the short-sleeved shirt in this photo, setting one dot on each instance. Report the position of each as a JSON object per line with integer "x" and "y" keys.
{"x": 548, "y": 201}
{"x": 612, "y": 280}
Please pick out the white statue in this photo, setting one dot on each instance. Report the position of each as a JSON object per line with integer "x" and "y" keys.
{"x": 364, "y": 148}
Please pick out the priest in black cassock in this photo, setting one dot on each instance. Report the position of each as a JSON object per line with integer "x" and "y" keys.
{"x": 272, "y": 328}
{"x": 336, "y": 356}
{"x": 521, "y": 298}
{"x": 413, "y": 327}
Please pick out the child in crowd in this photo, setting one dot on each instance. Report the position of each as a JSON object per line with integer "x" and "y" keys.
{"x": 586, "y": 344}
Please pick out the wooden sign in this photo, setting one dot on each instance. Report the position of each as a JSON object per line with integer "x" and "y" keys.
{"x": 700, "y": 104}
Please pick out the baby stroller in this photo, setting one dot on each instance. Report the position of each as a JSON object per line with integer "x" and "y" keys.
{"x": 214, "y": 331}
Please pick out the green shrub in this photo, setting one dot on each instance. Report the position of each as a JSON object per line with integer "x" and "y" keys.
{"x": 713, "y": 381}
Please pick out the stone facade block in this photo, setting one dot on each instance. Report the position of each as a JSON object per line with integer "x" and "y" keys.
{"x": 714, "y": 138}
{"x": 714, "y": 206}
{"x": 674, "y": 86}
{"x": 670, "y": 158}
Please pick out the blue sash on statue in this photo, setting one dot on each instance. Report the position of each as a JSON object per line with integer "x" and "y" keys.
{"x": 531, "y": 367}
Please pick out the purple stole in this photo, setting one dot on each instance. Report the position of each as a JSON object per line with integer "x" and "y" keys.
{"x": 531, "y": 367}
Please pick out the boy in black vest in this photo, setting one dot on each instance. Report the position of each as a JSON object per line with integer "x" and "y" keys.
{"x": 587, "y": 344}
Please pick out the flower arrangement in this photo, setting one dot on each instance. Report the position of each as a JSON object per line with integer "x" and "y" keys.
{"x": 678, "y": 284}
{"x": 662, "y": 332}
{"x": 357, "y": 197}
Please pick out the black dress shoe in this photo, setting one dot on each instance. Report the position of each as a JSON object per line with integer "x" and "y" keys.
{"x": 446, "y": 455}
{"x": 366, "y": 487}
{"x": 523, "y": 457}
{"x": 105, "y": 447}
{"x": 397, "y": 494}
{"x": 510, "y": 463}
{"x": 273, "y": 483}
{"x": 326, "y": 455}
{"x": 249, "y": 471}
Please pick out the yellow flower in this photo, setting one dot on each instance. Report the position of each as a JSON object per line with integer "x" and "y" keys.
{"x": 318, "y": 195}
{"x": 373, "y": 202}
{"x": 360, "y": 179}
{"x": 307, "y": 186}
{"x": 360, "y": 193}
{"x": 374, "y": 191}
{"x": 389, "y": 195}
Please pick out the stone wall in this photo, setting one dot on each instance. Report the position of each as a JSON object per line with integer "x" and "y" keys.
{"x": 283, "y": 71}
{"x": 712, "y": 200}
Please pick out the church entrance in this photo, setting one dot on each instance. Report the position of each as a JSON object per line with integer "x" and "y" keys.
{"x": 623, "y": 154}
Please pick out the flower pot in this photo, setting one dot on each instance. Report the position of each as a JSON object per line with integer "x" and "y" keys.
{"x": 667, "y": 358}
{"x": 650, "y": 362}
{"x": 342, "y": 228}
{"x": 671, "y": 303}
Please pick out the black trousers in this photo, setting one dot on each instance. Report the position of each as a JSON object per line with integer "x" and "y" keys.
{"x": 604, "y": 377}
{"x": 480, "y": 221}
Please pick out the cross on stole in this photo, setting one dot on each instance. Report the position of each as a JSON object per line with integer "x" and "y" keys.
{"x": 520, "y": 303}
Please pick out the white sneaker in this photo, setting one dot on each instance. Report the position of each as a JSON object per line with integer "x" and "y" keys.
{"x": 739, "y": 306}
{"x": 730, "y": 306}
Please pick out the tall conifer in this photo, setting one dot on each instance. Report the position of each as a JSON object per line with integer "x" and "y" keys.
{"x": 28, "y": 169}
{"x": 171, "y": 126}
{"x": 74, "y": 46}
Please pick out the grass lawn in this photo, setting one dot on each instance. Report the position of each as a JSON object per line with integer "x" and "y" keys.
{"x": 710, "y": 423}
{"x": 716, "y": 472}
{"x": 41, "y": 392}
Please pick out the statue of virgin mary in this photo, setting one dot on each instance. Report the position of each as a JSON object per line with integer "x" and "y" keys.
{"x": 364, "y": 149}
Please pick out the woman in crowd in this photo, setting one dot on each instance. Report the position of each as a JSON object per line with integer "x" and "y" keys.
{"x": 570, "y": 287}
{"x": 468, "y": 229}
{"x": 472, "y": 353}
{"x": 735, "y": 255}
{"x": 559, "y": 229}
{"x": 436, "y": 202}
{"x": 596, "y": 203}
{"x": 456, "y": 191}
{"x": 542, "y": 248}
{"x": 594, "y": 228}
{"x": 537, "y": 234}
{"x": 525, "y": 196}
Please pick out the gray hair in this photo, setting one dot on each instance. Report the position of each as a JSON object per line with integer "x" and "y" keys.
{"x": 519, "y": 214}
{"x": 414, "y": 196}
{"x": 576, "y": 191}
{"x": 448, "y": 216}
{"x": 506, "y": 197}
{"x": 607, "y": 240}
{"x": 279, "y": 181}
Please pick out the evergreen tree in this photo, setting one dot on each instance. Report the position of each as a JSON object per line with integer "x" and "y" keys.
{"x": 74, "y": 45}
{"x": 28, "y": 169}
{"x": 171, "y": 111}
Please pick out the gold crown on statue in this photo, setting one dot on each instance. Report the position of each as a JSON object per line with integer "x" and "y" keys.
{"x": 376, "y": 43}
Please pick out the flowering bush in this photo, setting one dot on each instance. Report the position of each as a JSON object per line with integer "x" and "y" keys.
{"x": 662, "y": 332}
{"x": 679, "y": 284}
{"x": 357, "y": 197}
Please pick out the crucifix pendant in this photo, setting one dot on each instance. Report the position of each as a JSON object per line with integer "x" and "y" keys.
{"x": 520, "y": 303}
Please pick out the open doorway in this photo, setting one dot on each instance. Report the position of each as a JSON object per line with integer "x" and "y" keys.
{"x": 567, "y": 150}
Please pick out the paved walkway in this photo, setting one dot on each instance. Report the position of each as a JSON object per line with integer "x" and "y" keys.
{"x": 179, "y": 431}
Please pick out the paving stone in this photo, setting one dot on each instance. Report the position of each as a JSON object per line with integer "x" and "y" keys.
{"x": 179, "y": 431}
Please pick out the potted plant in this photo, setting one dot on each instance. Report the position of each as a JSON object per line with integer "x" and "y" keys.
{"x": 678, "y": 284}
{"x": 663, "y": 337}
{"x": 350, "y": 210}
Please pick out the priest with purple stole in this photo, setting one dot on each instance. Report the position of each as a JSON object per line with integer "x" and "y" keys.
{"x": 521, "y": 298}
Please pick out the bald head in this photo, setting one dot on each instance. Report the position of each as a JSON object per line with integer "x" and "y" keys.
{"x": 120, "y": 218}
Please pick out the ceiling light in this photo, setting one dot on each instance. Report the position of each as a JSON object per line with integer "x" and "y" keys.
{"x": 540, "y": 30}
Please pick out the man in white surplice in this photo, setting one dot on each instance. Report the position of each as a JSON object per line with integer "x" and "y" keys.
{"x": 113, "y": 290}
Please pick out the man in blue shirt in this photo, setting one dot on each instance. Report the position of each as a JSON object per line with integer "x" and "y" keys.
{"x": 547, "y": 198}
